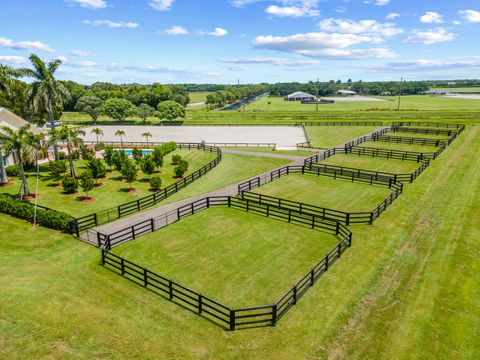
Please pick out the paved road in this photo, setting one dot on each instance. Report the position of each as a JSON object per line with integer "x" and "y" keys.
{"x": 231, "y": 190}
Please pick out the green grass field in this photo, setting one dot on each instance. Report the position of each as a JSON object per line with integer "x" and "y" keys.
{"x": 326, "y": 192}
{"x": 459, "y": 88}
{"x": 198, "y": 96}
{"x": 255, "y": 259}
{"x": 408, "y": 288}
{"x": 399, "y": 146}
{"x": 327, "y": 137}
{"x": 113, "y": 190}
{"x": 372, "y": 163}
{"x": 418, "y": 135}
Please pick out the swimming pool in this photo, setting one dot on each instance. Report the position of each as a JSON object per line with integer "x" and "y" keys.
{"x": 128, "y": 152}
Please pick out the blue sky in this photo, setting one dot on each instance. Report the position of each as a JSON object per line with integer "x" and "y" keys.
{"x": 222, "y": 41}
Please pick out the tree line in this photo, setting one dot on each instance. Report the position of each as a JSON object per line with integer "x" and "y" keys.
{"x": 233, "y": 94}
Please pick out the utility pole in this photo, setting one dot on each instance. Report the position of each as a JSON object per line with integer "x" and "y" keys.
{"x": 400, "y": 93}
{"x": 318, "y": 85}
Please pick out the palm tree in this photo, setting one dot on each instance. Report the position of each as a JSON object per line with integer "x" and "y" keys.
{"x": 97, "y": 132}
{"x": 147, "y": 135}
{"x": 121, "y": 134}
{"x": 7, "y": 75}
{"x": 71, "y": 137}
{"x": 18, "y": 141}
{"x": 45, "y": 91}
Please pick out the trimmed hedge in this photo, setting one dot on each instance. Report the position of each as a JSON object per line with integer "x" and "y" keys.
{"x": 46, "y": 217}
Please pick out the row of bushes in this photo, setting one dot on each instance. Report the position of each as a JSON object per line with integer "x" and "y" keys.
{"x": 23, "y": 210}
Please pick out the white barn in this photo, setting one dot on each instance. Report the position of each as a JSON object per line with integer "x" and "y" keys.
{"x": 346, "y": 93}
{"x": 300, "y": 96}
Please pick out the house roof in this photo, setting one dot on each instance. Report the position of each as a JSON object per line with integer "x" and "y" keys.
{"x": 346, "y": 92}
{"x": 299, "y": 94}
{"x": 13, "y": 121}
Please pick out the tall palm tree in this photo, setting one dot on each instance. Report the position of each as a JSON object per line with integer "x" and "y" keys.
{"x": 97, "y": 132}
{"x": 45, "y": 91}
{"x": 71, "y": 137}
{"x": 146, "y": 135}
{"x": 3, "y": 173}
{"x": 121, "y": 134}
{"x": 18, "y": 141}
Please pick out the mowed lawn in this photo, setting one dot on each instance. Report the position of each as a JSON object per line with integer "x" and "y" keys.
{"x": 269, "y": 150}
{"x": 198, "y": 96}
{"x": 408, "y": 288}
{"x": 365, "y": 162}
{"x": 232, "y": 256}
{"x": 326, "y": 137}
{"x": 113, "y": 190}
{"x": 419, "y": 135}
{"x": 326, "y": 192}
{"x": 399, "y": 146}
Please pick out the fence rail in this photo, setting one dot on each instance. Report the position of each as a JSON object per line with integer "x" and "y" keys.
{"x": 228, "y": 317}
{"x": 460, "y": 127}
{"x": 83, "y": 223}
{"x": 411, "y": 140}
{"x": 424, "y": 131}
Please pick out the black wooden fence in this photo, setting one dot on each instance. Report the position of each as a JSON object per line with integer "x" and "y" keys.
{"x": 411, "y": 140}
{"x": 389, "y": 154}
{"x": 231, "y": 318}
{"x": 415, "y": 130}
{"x": 459, "y": 127}
{"x": 83, "y": 223}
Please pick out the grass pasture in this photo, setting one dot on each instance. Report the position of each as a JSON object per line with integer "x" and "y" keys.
{"x": 326, "y": 192}
{"x": 327, "y": 137}
{"x": 364, "y": 162}
{"x": 398, "y": 146}
{"x": 254, "y": 259}
{"x": 407, "y": 289}
{"x": 198, "y": 96}
{"x": 269, "y": 150}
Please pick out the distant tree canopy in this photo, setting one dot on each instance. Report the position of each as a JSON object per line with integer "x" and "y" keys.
{"x": 170, "y": 110}
{"x": 233, "y": 94}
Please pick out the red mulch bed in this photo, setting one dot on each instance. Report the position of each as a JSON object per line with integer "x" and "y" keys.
{"x": 29, "y": 197}
{"x": 10, "y": 183}
{"x": 88, "y": 200}
{"x": 98, "y": 185}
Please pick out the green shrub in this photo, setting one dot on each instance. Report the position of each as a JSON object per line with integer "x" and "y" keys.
{"x": 13, "y": 170}
{"x": 97, "y": 168}
{"x": 176, "y": 159}
{"x": 184, "y": 164}
{"x": 137, "y": 154}
{"x": 157, "y": 156}
{"x": 70, "y": 185}
{"x": 179, "y": 171}
{"x": 119, "y": 158}
{"x": 87, "y": 182}
{"x": 155, "y": 182}
{"x": 57, "y": 169}
{"x": 86, "y": 153}
{"x": 62, "y": 156}
{"x": 75, "y": 155}
{"x": 108, "y": 155}
{"x": 129, "y": 171}
{"x": 23, "y": 210}
{"x": 148, "y": 165}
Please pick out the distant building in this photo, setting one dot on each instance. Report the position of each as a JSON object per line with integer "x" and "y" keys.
{"x": 346, "y": 93}
{"x": 436, "y": 92}
{"x": 15, "y": 122}
{"x": 300, "y": 96}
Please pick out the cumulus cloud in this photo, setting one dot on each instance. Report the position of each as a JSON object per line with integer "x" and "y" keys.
{"x": 424, "y": 64}
{"x": 431, "y": 17}
{"x": 471, "y": 16}
{"x": 161, "y": 5}
{"x": 176, "y": 30}
{"x": 24, "y": 45}
{"x": 429, "y": 37}
{"x": 90, "y": 4}
{"x": 382, "y": 2}
{"x": 392, "y": 16}
{"x": 16, "y": 60}
{"x": 371, "y": 27}
{"x": 270, "y": 60}
{"x": 218, "y": 32}
{"x": 79, "y": 53}
{"x": 286, "y": 8}
{"x": 112, "y": 24}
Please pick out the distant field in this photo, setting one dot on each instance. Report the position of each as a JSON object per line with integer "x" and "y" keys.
{"x": 326, "y": 137}
{"x": 266, "y": 149}
{"x": 372, "y": 163}
{"x": 399, "y": 146}
{"x": 420, "y": 102}
{"x": 254, "y": 259}
{"x": 198, "y": 96}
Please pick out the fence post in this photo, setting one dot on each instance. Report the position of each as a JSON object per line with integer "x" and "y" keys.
{"x": 200, "y": 303}
{"x": 347, "y": 221}
{"x": 312, "y": 276}
{"x": 229, "y": 201}
{"x": 145, "y": 277}
{"x": 274, "y": 314}
{"x": 337, "y": 230}
{"x": 133, "y": 232}
{"x": 326, "y": 262}
{"x": 99, "y": 239}
{"x": 232, "y": 320}
{"x": 122, "y": 265}
{"x": 103, "y": 257}
{"x": 339, "y": 250}
{"x": 170, "y": 289}
{"x": 95, "y": 219}
{"x": 208, "y": 202}
{"x": 371, "y": 218}
{"x": 294, "y": 294}
{"x": 152, "y": 223}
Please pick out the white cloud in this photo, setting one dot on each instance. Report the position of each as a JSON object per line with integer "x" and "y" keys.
{"x": 112, "y": 24}
{"x": 218, "y": 32}
{"x": 176, "y": 30}
{"x": 270, "y": 60}
{"x": 382, "y": 2}
{"x": 161, "y": 5}
{"x": 431, "y": 17}
{"x": 456, "y": 22}
{"x": 472, "y": 16}
{"x": 392, "y": 16}
{"x": 429, "y": 37}
{"x": 79, "y": 53}
{"x": 90, "y": 4}
{"x": 371, "y": 27}
{"x": 350, "y": 54}
{"x": 237, "y": 68}
{"x": 17, "y": 60}
{"x": 290, "y": 11}
{"x": 24, "y": 45}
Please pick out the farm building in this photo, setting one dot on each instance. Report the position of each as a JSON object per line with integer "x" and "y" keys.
{"x": 346, "y": 93}
{"x": 300, "y": 96}
{"x": 9, "y": 119}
